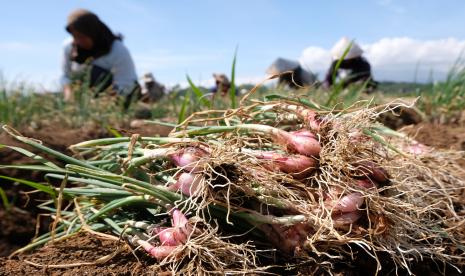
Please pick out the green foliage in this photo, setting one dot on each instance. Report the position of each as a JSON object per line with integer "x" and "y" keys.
{"x": 445, "y": 99}
{"x": 232, "y": 90}
{"x": 5, "y": 202}
{"x": 199, "y": 94}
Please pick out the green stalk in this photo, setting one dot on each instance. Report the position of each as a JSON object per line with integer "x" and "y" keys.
{"x": 108, "y": 141}
{"x": 232, "y": 92}
{"x": 338, "y": 88}
{"x": 160, "y": 123}
{"x": 34, "y": 168}
{"x": 85, "y": 181}
{"x": 95, "y": 192}
{"x": 159, "y": 196}
{"x": 157, "y": 190}
{"x": 117, "y": 203}
{"x": 33, "y": 156}
{"x": 221, "y": 129}
{"x": 38, "y": 186}
{"x": 149, "y": 154}
{"x": 5, "y": 201}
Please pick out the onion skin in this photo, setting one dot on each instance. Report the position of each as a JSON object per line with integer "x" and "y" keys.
{"x": 190, "y": 159}
{"x": 344, "y": 219}
{"x": 187, "y": 183}
{"x": 176, "y": 235}
{"x": 307, "y": 115}
{"x": 182, "y": 226}
{"x": 298, "y": 166}
{"x": 302, "y": 142}
{"x": 349, "y": 203}
{"x": 365, "y": 183}
{"x": 167, "y": 237}
{"x": 287, "y": 238}
{"x": 159, "y": 252}
{"x": 373, "y": 171}
{"x": 417, "y": 148}
{"x": 311, "y": 118}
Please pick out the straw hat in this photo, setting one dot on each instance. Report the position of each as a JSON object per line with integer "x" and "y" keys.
{"x": 340, "y": 47}
{"x": 281, "y": 65}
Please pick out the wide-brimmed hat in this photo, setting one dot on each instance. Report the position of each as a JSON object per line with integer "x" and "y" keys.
{"x": 281, "y": 65}
{"x": 340, "y": 47}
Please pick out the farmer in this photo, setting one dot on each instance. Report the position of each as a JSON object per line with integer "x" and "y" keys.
{"x": 152, "y": 91}
{"x": 353, "y": 68}
{"x": 222, "y": 84}
{"x": 291, "y": 73}
{"x": 96, "y": 49}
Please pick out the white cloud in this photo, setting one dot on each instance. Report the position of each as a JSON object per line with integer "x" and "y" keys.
{"x": 398, "y": 58}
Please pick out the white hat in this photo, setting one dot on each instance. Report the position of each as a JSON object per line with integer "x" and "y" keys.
{"x": 148, "y": 77}
{"x": 340, "y": 47}
{"x": 282, "y": 65}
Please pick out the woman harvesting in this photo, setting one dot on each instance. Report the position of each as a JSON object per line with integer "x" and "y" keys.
{"x": 96, "y": 48}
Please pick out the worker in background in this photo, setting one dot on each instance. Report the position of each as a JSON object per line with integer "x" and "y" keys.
{"x": 152, "y": 91}
{"x": 296, "y": 76}
{"x": 354, "y": 68}
{"x": 222, "y": 85}
{"x": 95, "y": 48}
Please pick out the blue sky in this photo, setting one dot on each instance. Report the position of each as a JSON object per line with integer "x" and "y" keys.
{"x": 172, "y": 38}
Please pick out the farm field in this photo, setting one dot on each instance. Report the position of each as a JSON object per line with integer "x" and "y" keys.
{"x": 291, "y": 222}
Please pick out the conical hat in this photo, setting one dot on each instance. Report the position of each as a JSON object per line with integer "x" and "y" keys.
{"x": 282, "y": 65}
{"x": 340, "y": 47}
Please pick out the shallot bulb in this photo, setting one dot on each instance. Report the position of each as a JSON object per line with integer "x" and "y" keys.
{"x": 181, "y": 225}
{"x": 287, "y": 238}
{"x": 166, "y": 236}
{"x": 365, "y": 183}
{"x": 373, "y": 171}
{"x": 298, "y": 166}
{"x": 302, "y": 142}
{"x": 170, "y": 237}
{"x": 344, "y": 219}
{"x": 159, "y": 252}
{"x": 349, "y": 203}
{"x": 416, "y": 148}
{"x": 307, "y": 115}
{"x": 188, "y": 183}
{"x": 190, "y": 159}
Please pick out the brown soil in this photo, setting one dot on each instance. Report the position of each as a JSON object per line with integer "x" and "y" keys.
{"x": 18, "y": 225}
{"x": 72, "y": 253}
{"x": 86, "y": 248}
{"x": 399, "y": 117}
{"x": 439, "y": 136}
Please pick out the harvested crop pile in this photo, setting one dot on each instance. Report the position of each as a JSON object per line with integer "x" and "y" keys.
{"x": 268, "y": 184}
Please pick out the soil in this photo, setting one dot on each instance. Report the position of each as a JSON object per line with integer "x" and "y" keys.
{"x": 72, "y": 253}
{"x": 399, "y": 117}
{"x": 449, "y": 137}
{"x": 17, "y": 226}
